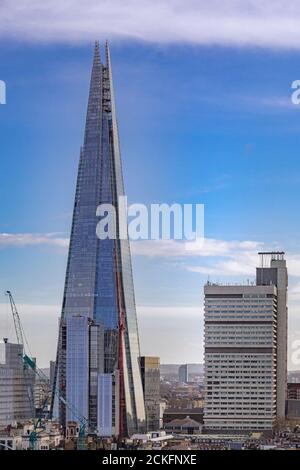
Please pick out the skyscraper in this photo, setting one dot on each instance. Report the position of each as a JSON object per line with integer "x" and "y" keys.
{"x": 183, "y": 373}
{"x": 273, "y": 271}
{"x": 245, "y": 351}
{"x": 99, "y": 284}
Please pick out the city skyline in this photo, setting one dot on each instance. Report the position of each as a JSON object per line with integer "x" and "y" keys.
{"x": 149, "y": 229}
{"x": 226, "y": 94}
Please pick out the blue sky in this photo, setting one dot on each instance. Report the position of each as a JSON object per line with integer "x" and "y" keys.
{"x": 200, "y": 122}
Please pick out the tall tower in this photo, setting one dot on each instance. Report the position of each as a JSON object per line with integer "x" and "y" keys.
{"x": 99, "y": 284}
{"x": 273, "y": 271}
{"x": 246, "y": 350}
{"x": 240, "y": 358}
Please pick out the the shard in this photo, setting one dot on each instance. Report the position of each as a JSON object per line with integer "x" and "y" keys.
{"x": 98, "y": 368}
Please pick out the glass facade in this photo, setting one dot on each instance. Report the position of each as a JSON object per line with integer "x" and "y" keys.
{"x": 99, "y": 281}
{"x": 77, "y": 365}
{"x": 105, "y": 398}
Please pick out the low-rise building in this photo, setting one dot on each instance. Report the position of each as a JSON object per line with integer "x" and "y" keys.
{"x": 293, "y": 409}
{"x": 8, "y": 442}
{"x": 48, "y": 436}
{"x": 173, "y": 413}
{"x": 184, "y": 426}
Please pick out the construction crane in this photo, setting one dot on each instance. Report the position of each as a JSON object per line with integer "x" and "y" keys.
{"x": 16, "y": 318}
{"x": 29, "y": 363}
{"x": 21, "y": 339}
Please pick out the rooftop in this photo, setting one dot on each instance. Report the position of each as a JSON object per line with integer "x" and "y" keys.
{"x": 186, "y": 422}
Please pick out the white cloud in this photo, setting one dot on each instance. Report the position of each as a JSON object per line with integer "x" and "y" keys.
{"x": 218, "y": 257}
{"x": 201, "y": 247}
{"x": 271, "y": 23}
{"x": 294, "y": 296}
{"x": 293, "y": 264}
{"x": 226, "y": 268}
{"x": 27, "y": 239}
{"x": 221, "y": 257}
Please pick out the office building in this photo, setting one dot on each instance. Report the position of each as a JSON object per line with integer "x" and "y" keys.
{"x": 98, "y": 284}
{"x": 293, "y": 391}
{"x": 150, "y": 368}
{"x": 183, "y": 373}
{"x": 42, "y": 395}
{"x": 51, "y": 373}
{"x": 16, "y": 385}
{"x": 273, "y": 271}
{"x": 244, "y": 379}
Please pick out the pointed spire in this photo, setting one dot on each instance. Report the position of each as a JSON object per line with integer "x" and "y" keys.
{"x": 97, "y": 59}
{"x": 95, "y": 95}
{"x": 107, "y": 54}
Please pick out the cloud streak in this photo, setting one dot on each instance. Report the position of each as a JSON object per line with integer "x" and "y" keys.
{"x": 32, "y": 239}
{"x": 268, "y": 24}
{"x": 206, "y": 247}
{"x": 218, "y": 257}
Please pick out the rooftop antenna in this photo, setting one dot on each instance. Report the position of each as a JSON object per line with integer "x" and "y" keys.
{"x": 266, "y": 257}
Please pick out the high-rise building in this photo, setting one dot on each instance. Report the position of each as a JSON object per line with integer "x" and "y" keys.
{"x": 99, "y": 290}
{"x": 150, "y": 367}
{"x": 52, "y": 373}
{"x": 16, "y": 385}
{"x": 183, "y": 373}
{"x": 244, "y": 378}
{"x": 273, "y": 271}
